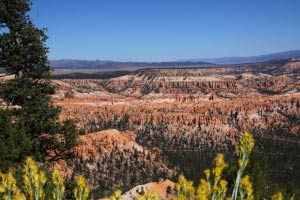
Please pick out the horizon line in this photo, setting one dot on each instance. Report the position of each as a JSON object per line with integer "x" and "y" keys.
{"x": 175, "y": 60}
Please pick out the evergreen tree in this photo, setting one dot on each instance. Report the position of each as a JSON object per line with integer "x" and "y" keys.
{"x": 28, "y": 96}
{"x": 14, "y": 144}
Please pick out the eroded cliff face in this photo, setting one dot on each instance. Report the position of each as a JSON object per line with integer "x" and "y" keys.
{"x": 169, "y": 110}
{"x": 217, "y": 101}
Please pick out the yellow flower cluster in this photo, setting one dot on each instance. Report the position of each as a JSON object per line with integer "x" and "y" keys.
{"x": 185, "y": 188}
{"x": 203, "y": 190}
{"x": 216, "y": 190}
{"x": 9, "y": 188}
{"x": 246, "y": 190}
{"x": 117, "y": 195}
{"x": 277, "y": 196}
{"x": 81, "y": 191}
{"x": 149, "y": 195}
{"x": 244, "y": 150}
{"x": 207, "y": 173}
{"x": 220, "y": 165}
{"x": 34, "y": 180}
{"x": 246, "y": 144}
{"x": 58, "y": 185}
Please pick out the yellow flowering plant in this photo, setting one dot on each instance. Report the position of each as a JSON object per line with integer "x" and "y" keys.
{"x": 244, "y": 149}
{"x": 277, "y": 196}
{"x": 81, "y": 191}
{"x": 220, "y": 165}
{"x": 184, "y": 188}
{"x": 58, "y": 185}
{"x": 117, "y": 195}
{"x": 149, "y": 195}
{"x": 203, "y": 190}
{"x": 246, "y": 190}
{"x": 214, "y": 187}
{"x": 34, "y": 180}
{"x": 8, "y": 187}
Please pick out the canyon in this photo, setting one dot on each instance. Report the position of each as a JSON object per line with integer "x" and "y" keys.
{"x": 128, "y": 123}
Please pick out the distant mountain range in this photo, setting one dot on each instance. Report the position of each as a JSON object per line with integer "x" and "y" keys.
{"x": 249, "y": 59}
{"x": 106, "y": 64}
{"x": 76, "y": 63}
{"x": 111, "y": 65}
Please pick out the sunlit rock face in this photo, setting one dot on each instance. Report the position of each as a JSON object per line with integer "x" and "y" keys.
{"x": 209, "y": 104}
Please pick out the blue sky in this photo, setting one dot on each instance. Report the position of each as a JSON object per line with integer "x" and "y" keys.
{"x": 167, "y": 30}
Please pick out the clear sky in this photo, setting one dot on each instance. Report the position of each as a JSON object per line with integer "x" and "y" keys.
{"x": 167, "y": 30}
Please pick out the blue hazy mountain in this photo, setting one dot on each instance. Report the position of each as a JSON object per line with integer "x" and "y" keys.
{"x": 76, "y": 63}
{"x": 249, "y": 59}
{"x": 103, "y": 64}
{"x": 94, "y": 64}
